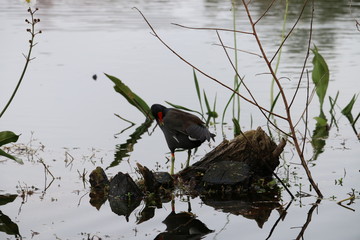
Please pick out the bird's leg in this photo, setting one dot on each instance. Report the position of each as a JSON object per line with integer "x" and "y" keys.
{"x": 188, "y": 159}
{"x": 172, "y": 163}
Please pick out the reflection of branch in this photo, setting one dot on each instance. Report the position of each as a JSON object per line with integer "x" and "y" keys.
{"x": 46, "y": 170}
{"x": 351, "y": 199}
{"x": 281, "y": 217}
{"x": 308, "y": 220}
{"x": 128, "y": 121}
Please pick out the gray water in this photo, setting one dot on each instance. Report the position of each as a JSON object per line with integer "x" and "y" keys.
{"x": 61, "y": 108}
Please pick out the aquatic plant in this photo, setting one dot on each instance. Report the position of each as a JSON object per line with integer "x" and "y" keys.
{"x": 8, "y": 136}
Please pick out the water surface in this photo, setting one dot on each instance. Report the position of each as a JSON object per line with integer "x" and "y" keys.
{"x": 62, "y": 108}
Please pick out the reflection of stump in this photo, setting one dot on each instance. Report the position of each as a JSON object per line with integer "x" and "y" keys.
{"x": 251, "y": 154}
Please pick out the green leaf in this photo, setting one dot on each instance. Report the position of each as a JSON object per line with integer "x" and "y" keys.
{"x": 18, "y": 160}
{"x": 130, "y": 96}
{"x": 8, "y": 226}
{"x": 8, "y": 137}
{"x": 348, "y": 109}
{"x": 5, "y": 199}
{"x": 320, "y": 75}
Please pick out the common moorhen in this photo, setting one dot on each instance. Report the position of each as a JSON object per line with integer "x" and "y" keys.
{"x": 181, "y": 129}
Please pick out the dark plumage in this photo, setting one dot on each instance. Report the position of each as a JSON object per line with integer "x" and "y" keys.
{"x": 181, "y": 129}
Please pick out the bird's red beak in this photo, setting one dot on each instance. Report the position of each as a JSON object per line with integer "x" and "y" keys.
{"x": 160, "y": 118}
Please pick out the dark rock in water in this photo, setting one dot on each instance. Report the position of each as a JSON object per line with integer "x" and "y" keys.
{"x": 124, "y": 195}
{"x": 99, "y": 187}
{"x": 227, "y": 173}
{"x": 98, "y": 178}
{"x": 123, "y": 207}
{"x": 123, "y": 187}
{"x": 164, "y": 179}
{"x": 154, "y": 181}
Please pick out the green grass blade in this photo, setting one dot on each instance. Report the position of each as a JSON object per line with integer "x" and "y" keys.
{"x": 237, "y": 129}
{"x": 274, "y": 102}
{"x": 183, "y": 108}
{"x": 198, "y": 91}
{"x": 226, "y": 107}
{"x": 207, "y": 103}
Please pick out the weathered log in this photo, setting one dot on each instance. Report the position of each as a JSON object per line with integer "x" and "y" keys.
{"x": 257, "y": 153}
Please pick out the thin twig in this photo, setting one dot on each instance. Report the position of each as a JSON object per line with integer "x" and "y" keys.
{"x": 266, "y": 11}
{"x": 306, "y": 57}
{"x": 306, "y": 112}
{"x": 213, "y": 29}
{"x": 232, "y": 48}
{"x": 291, "y": 30}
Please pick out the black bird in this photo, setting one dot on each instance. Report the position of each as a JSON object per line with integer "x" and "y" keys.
{"x": 181, "y": 129}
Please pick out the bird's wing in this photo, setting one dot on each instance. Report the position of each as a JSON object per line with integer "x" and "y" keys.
{"x": 179, "y": 121}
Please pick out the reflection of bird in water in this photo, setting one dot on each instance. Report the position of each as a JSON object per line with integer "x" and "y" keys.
{"x": 181, "y": 129}
{"x": 183, "y": 225}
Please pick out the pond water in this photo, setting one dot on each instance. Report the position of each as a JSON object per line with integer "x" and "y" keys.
{"x": 67, "y": 123}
